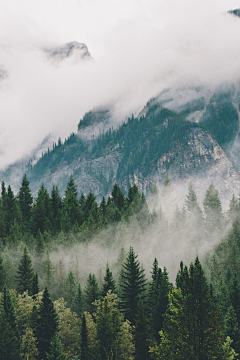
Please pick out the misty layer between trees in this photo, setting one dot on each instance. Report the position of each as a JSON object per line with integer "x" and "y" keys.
{"x": 72, "y": 285}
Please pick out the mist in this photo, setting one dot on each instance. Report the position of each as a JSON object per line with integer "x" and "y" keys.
{"x": 139, "y": 49}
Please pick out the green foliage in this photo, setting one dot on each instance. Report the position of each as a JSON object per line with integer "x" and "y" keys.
{"x": 109, "y": 283}
{"x": 9, "y": 334}
{"x": 25, "y": 200}
{"x": 55, "y": 352}
{"x": 91, "y": 293}
{"x": 25, "y": 273}
{"x": 134, "y": 285}
{"x": 47, "y": 325}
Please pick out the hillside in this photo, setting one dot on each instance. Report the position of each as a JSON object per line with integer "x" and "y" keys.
{"x": 190, "y": 137}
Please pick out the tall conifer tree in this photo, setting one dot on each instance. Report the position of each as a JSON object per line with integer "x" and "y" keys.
{"x": 47, "y": 325}
{"x": 25, "y": 273}
{"x": 133, "y": 287}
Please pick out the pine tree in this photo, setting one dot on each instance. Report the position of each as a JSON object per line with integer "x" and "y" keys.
{"x": 47, "y": 325}
{"x": 141, "y": 334}
{"x": 12, "y": 211}
{"x": 192, "y": 327}
{"x": 3, "y": 277}
{"x": 235, "y": 297}
{"x": 159, "y": 289}
{"x": 78, "y": 301}
{"x": 231, "y": 328}
{"x": 35, "y": 288}
{"x": 56, "y": 204}
{"x": 25, "y": 273}
{"x": 109, "y": 283}
{"x": 212, "y": 208}
{"x": 25, "y": 201}
{"x": 56, "y": 352}
{"x": 49, "y": 271}
{"x": 84, "y": 336}
{"x": 9, "y": 334}
{"x": 70, "y": 289}
{"x": 40, "y": 243}
{"x": 70, "y": 202}
{"x": 42, "y": 216}
{"x": 91, "y": 293}
{"x": 133, "y": 287}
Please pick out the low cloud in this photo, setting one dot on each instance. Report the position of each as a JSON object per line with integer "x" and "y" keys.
{"x": 139, "y": 49}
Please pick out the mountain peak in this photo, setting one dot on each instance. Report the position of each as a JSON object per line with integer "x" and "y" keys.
{"x": 61, "y": 52}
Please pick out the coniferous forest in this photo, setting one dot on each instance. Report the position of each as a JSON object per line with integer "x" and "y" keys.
{"x": 129, "y": 305}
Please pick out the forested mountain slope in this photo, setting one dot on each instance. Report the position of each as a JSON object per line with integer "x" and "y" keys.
{"x": 189, "y": 133}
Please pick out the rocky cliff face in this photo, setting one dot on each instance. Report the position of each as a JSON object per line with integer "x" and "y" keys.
{"x": 144, "y": 149}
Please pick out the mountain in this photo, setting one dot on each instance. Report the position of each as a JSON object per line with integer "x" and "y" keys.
{"x": 70, "y": 49}
{"x": 235, "y": 12}
{"x": 191, "y": 133}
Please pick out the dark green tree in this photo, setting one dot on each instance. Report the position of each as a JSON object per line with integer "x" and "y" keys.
{"x": 25, "y": 273}
{"x": 78, "y": 301}
{"x": 134, "y": 286}
{"x": 231, "y": 328}
{"x": 91, "y": 293}
{"x": 141, "y": 334}
{"x": 56, "y": 352}
{"x": 35, "y": 288}
{"x": 84, "y": 336}
{"x": 109, "y": 283}
{"x": 25, "y": 200}
{"x": 42, "y": 215}
{"x": 56, "y": 204}
{"x": 9, "y": 334}
{"x": 213, "y": 209}
{"x": 70, "y": 202}
{"x": 47, "y": 325}
{"x": 3, "y": 277}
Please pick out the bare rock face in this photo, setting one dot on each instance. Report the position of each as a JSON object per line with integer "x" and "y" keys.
{"x": 73, "y": 48}
{"x": 202, "y": 161}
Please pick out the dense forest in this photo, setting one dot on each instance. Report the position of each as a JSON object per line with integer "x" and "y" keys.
{"x": 51, "y": 308}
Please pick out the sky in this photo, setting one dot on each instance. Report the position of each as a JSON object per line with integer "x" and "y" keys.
{"x": 139, "y": 48}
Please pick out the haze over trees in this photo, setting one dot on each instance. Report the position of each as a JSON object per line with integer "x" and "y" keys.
{"x": 51, "y": 311}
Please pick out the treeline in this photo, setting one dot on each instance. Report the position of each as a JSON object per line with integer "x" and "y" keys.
{"x": 118, "y": 322}
{"x": 37, "y": 220}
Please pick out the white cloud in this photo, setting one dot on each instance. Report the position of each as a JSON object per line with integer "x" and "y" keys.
{"x": 139, "y": 48}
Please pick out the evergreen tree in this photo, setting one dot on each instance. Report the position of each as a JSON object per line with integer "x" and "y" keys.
{"x": 70, "y": 289}
{"x": 70, "y": 202}
{"x": 9, "y": 334}
{"x": 78, "y": 301}
{"x": 25, "y": 273}
{"x": 235, "y": 297}
{"x": 133, "y": 287}
{"x": 213, "y": 209}
{"x": 56, "y": 205}
{"x": 12, "y": 211}
{"x": 2, "y": 274}
{"x": 47, "y": 325}
{"x": 192, "y": 328}
{"x": 49, "y": 271}
{"x": 109, "y": 283}
{"x": 231, "y": 328}
{"x": 84, "y": 336}
{"x": 91, "y": 293}
{"x": 25, "y": 201}
{"x": 35, "y": 288}
{"x": 40, "y": 243}
{"x": 90, "y": 199}
{"x": 56, "y": 352}
{"x": 141, "y": 335}
{"x": 103, "y": 211}
{"x": 42, "y": 215}
{"x": 9, "y": 342}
